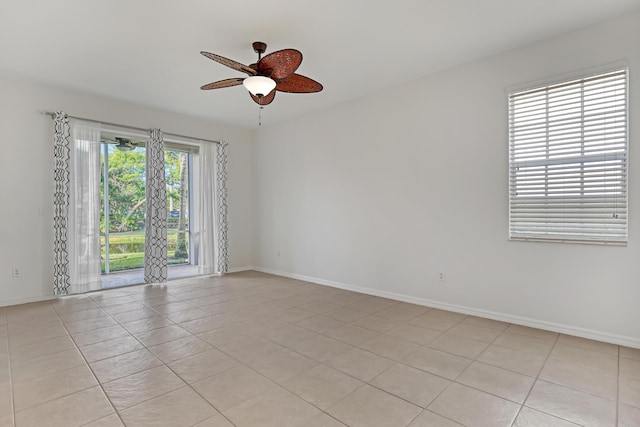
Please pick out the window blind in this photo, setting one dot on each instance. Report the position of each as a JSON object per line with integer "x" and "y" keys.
{"x": 568, "y": 146}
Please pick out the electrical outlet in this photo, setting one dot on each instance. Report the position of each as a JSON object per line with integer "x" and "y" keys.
{"x": 15, "y": 272}
{"x": 441, "y": 277}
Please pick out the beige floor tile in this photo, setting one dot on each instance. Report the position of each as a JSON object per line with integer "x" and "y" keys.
{"x": 36, "y": 368}
{"x": 321, "y": 348}
{"x": 531, "y": 418}
{"x": 215, "y": 421}
{"x": 232, "y": 387}
{"x": 580, "y": 377}
{"x": 180, "y": 348}
{"x": 370, "y": 407}
{"x": 99, "y": 335}
{"x": 431, "y": 419}
{"x": 346, "y": 315}
{"x": 630, "y": 392}
{"x": 414, "y": 334}
{"x": 52, "y": 386}
{"x": 437, "y": 362}
{"x": 532, "y": 332}
{"x": 136, "y": 388}
{"x": 400, "y": 312}
{"x": 223, "y": 335}
{"x": 181, "y": 407}
{"x": 187, "y": 315}
{"x": 361, "y": 364}
{"x": 148, "y": 324}
{"x": 458, "y": 345}
{"x": 350, "y": 334}
{"x": 319, "y": 323}
{"x": 43, "y": 348}
{"x": 202, "y": 365}
{"x": 500, "y": 382}
{"x": 514, "y": 360}
{"x": 488, "y": 323}
{"x": 288, "y": 335}
{"x": 282, "y": 365}
{"x": 390, "y": 347}
{"x": 246, "y": 349}
{"x": 110, "y": 421}
{"x": 37, "y": 333}
{"x": 436, "y": 323}
{"x": 475, "y": 332}
{"x": 294, "y": 314}
{"x": 172, "y": 307}
{"x": 372, "y": 305}
{"x": 6, "y": 400}
{"x": 96, "y": 313}
{"x": 107, "y": 349}
{"x": 88, "y": 325}
{"x": 587, "y": 344}
{"x": 132, "y": 316}
{"x": 274, "y": 408}
{"x": 525, "y": 343}
{"x": 106, "y": 302}
{"x": 125, "y": 308}
{"x": 413, "y": 385}
{"x": 447, "y": 314}
{"x": 124, "y": 365}
{"x": 630, "y": 353}
{"x": 473, "y": 407}
{"x": 628, "y": 416}
{"x": 162, "y": 335}
{"x": 377, "y": 323}
{"x": 322, "y": 386}
{"x": 593, "y": 359}
{"x": 69, "y": 411}
{"x": 320, "y": 306}
{"x": 323, "y": 420}
{"x": 630, "y": 368}
{"x": 572, "y": 405}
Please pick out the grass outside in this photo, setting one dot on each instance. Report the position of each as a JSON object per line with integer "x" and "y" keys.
{"x": 132, "y": 250}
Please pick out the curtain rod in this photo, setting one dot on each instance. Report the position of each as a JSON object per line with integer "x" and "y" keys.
{"x": 177, "y": 135}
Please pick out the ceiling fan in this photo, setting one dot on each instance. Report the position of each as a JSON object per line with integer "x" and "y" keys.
{"x": 122, "y": 144}
{"x": 274, "y": 72}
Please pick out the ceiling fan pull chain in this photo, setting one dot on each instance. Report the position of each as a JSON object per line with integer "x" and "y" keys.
{"x": 260, "y": 107}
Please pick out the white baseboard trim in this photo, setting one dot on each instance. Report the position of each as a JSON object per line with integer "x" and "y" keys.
{"x": 18, "y": 301}
{"x": 503, "y": 317}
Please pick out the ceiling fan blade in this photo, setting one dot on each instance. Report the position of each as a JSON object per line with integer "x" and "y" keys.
{"x": 265, "y": 100}
{"x": 230, "y": 63}
{"x": 222, "y": 83}
{"x": 297, "y": 83}
{"x": 283, "y": 63}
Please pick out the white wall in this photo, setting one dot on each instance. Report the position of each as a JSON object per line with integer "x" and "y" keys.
{"x": 26, "y": 177}
{"x": 386, "y": 192}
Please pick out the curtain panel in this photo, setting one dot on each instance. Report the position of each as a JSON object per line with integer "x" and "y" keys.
{"x": 221, "y": 207}
{"x": 155, "y": 251}
{"x": 84, "y": 212}
{"x": 61, "y": 195}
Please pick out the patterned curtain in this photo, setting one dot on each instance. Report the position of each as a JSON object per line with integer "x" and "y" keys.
{"x": 155, "y": 251}
{"x": 221, "y": 201}
{"x": 61, "y": 158}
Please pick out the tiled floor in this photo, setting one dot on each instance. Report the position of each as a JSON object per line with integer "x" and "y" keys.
{"x": 250, "y": 349}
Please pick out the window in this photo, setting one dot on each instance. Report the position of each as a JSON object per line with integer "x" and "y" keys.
{"x": 568, "y": 147}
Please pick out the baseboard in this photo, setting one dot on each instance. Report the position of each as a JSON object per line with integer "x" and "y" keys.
{"x": 503, "y": 317}
{"x": 28, "y": 300}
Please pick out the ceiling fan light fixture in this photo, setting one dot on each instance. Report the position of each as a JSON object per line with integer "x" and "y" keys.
{"x": 124, "y": 144}
{"x": 259, "y": 85}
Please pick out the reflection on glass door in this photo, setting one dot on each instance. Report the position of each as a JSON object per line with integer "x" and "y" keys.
{"x": 123, "y": 202}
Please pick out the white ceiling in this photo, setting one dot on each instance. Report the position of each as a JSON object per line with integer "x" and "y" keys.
{"x": 147, "y": 51}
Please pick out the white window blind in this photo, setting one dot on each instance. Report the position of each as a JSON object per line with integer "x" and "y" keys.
{"x": 568, "y": 147}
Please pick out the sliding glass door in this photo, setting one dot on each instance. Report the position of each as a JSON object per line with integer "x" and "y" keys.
{"x": 122, "y": 223}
